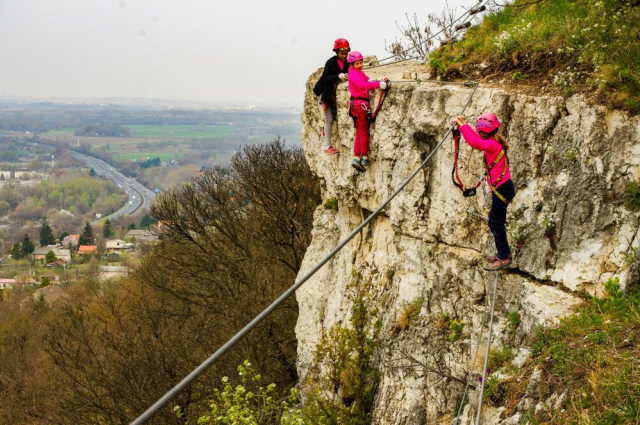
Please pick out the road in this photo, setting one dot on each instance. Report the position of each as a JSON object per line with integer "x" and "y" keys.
{"x": 139, "y": 196}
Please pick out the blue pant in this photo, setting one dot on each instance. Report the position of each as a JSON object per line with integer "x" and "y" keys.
{"x": 498, "y": 218}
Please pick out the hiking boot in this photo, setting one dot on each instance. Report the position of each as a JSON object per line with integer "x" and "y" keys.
{"x": 494, "y": 257}
{"x": 358, "y": 165}
{"x": 330, "y": 150}
{"x": 365, "y": 163}
{"x": 497, "y": 264}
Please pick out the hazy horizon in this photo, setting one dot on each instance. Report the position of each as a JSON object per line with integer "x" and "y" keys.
{"x": 223, "y": 52}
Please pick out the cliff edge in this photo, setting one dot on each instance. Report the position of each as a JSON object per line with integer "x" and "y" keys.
{"x": 570, "y": 163}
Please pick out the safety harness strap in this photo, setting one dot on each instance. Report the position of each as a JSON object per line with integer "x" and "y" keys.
{"x": 471, "y": 191}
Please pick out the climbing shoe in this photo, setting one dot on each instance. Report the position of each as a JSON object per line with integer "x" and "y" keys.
{"x": 330, "y": 150}
{"x": 365, "y": 163}
{"x": 498, "y": 264}
{"x": 494, "y": 257}
{"x": 358, "y": 165}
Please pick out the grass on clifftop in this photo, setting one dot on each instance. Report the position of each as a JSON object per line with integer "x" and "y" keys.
{"x": 574, "y": 45}
{"x": 592, "y": 359}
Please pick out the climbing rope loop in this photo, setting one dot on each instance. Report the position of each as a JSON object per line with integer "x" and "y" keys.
{"x": 180, "y": 386}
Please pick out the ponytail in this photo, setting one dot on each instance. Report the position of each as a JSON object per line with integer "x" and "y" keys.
{"x": 501, "y": 139}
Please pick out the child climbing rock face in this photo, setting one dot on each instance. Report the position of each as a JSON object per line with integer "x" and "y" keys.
{"x": 359, "y": 108}
{"x": 335, "y": 71}
{"x": 487, "y": 139}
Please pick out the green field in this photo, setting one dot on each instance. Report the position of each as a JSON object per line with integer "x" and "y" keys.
{"x": 180, "y": 131}
{"x": 164, "y": 156}
{"x": 172, "y": 131}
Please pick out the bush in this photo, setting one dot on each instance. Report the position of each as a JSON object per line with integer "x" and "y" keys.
{"x": 343, "y": 380}
{"x": 632, "y": 196}
{"x": 248, "y": 402}
{"x": 409, "y": 312}
{"x": 331, "y": 204}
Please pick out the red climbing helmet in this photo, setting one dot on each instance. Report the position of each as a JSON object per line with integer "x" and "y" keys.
{"x": 488, "y": 122}
{"x": 341, "y": 43}
{"x": 354, "y": 56}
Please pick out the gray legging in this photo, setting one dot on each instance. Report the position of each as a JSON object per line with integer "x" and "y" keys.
{"x": 327, "y": 116}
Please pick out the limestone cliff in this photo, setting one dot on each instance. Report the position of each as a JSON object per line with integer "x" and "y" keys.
{"x": 570, "y": 163}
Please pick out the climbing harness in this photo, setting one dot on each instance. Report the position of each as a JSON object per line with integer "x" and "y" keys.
{"x": 472, "y": 190}
{"x": 486, "y": 358}
{"x": 187, "y": 380}
{"x": 371, "y": 114}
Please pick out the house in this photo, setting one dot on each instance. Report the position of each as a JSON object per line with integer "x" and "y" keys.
{"x": 142, "y": 235}
{"x": 10, "y": 283}
{"x": 41, "y": 252}
{"x": 60, "y": 262}
{"x": 87, "y": 249}
{"x": 110, "y": 272}
{"x": 7, "y": 283}
{"x": 117, "y": 246}
{"x": 70, "y": 239}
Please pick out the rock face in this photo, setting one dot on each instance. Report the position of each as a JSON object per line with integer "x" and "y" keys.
{"x": 570, "y": 163}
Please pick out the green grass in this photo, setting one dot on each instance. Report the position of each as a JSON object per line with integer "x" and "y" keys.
{"x": 593, "y": 356}
{"x": 576, "y": 44}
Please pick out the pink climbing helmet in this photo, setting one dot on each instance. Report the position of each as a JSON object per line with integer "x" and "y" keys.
{"x": 488, "y": 122}
{"x": 354, "y": 56}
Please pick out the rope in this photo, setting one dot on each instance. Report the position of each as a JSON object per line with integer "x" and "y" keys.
{"x": 151, "y": 411}
{"x": 425, "y": 41}
{"x": 486, "y": 357}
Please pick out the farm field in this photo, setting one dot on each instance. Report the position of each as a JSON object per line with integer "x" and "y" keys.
{"x": 164, "y": 132}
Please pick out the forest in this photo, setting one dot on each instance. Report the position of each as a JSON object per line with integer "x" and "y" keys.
{"x": 104, "y": 351}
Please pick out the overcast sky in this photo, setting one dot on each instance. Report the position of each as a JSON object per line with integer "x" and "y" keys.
{"x": 234, "y": 52}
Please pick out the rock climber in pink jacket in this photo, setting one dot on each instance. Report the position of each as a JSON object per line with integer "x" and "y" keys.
{"x": 487, "y": 139}
{"x": 359, "y": 108}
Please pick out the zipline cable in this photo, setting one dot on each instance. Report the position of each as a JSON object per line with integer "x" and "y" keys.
{"x": 151, "y": 411}
{"x": 425, "y": 41}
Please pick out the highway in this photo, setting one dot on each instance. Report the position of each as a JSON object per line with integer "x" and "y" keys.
{"x": 139, "y": 196}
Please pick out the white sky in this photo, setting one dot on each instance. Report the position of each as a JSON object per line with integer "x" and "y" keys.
{"x": 234, "y": 52}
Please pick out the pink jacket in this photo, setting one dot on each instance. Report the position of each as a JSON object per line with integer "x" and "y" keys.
{"x": 491, "y": 149}
{"x": 359, "y": 84}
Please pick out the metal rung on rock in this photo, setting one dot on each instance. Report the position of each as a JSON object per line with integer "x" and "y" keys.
{"x": 473, "y": 213}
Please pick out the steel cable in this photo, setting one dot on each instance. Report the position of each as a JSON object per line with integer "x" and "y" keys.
{"x": 168, "y": 396}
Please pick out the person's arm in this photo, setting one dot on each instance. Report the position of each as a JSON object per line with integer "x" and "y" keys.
{"x": 474, "y": 140}
{"x": 361, "y": 81}
{"x": 331, "y": 72}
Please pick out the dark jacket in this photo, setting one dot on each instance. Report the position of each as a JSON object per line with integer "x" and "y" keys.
{"x": 328, "y": 82}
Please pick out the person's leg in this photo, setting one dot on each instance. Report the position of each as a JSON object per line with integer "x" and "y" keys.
{"x": 362, "y": 130}
{"x": 362, "y": 126}
{"x": 498, "y": 219}
{"x": 328, "y": 122}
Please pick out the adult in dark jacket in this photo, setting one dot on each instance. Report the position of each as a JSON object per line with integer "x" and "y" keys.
{"x": 335, "y": 70}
